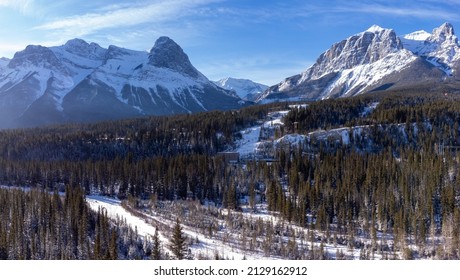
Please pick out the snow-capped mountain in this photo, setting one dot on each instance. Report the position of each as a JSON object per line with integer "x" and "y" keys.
{"x": 372, "y": 60}
{"x": 440, "y": 48}
{"x": 82, "y": 81}
{"x": 244, "y": 88}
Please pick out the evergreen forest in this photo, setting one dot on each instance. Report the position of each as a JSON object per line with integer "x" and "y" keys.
{"x": 390, "y": 188}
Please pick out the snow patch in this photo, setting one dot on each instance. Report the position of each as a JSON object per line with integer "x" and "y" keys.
{"x": 420, "y": 35}
{"x": 369, "y": 74}
{"x": 375, "y": 29}
{"x": 250, "y": 141}
{"x": 369, "y": 109}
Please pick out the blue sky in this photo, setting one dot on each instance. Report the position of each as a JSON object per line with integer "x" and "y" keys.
{"x": 263, "y": 40}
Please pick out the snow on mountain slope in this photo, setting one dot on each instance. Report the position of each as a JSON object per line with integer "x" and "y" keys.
{"x": 80, "y": 58}
{"x": 82, "y": 81}
{"x": 366, "y": 75}
{"x": 118, "y": 67}
{"x": 440, "y": 48}
{"x": 347, "y": 68}
{"x": 244, "y": 88}
{"x": 363, "y": 48}
{"x": 373, "y": 59}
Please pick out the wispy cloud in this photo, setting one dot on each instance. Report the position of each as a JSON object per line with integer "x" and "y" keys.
{"x": 420, "y": 10}
{"x": 115, "y": 16}
{"x": 24, "y": 6}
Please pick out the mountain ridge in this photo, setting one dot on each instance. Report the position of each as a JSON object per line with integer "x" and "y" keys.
{"x": 83, "y": 82}
{"x": 370, "y": 60}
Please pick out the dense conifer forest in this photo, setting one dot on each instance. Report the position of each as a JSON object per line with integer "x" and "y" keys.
{"x": 39, "y": 225}
{"x": 398, "y": 175}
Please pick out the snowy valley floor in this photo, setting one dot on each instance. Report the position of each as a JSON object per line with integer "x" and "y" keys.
{"x": 237, "y": 235}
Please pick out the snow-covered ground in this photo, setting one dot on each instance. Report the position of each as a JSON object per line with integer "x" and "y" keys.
{"x": 251, "y": 141}
{"x": 206, "y": 247}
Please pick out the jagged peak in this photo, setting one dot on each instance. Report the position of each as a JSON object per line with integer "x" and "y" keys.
{"x": 378, "y": 33}
{"x": 35, "y": 55}
{"x": 446, "y": 29}
{"x": 443, "y": 33}
{"x": 115, "y": 51}
{"x": 76, "y": 42}
{"x": 363, "y": 48}
{"x": 168, "y": 54}
{"x": 165, "y": 42}
{"x": 34, "y": 49}
{"x": 82, "y": 48}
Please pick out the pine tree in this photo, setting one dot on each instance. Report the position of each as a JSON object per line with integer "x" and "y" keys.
{"x": 156, "y": 250}
{"x": 178, "y": 244}
{"x": 113, "y": 246}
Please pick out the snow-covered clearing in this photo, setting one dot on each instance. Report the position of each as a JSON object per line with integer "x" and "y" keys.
{"x": 206, "y": 247}
{"x": 251, "y": 139}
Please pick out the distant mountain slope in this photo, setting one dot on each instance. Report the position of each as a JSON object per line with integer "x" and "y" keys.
{"x": 371, "y": 60}
{"x": 244, "y": 88}
{"x": 440, "y": 48}
{"x": 84, "y": 82}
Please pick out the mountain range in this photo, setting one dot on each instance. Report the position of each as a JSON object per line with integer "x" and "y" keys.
{"x": 83, "y": 82}
{"x": 376, "y": 59}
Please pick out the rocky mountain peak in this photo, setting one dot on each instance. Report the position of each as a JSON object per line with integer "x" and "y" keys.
{"x": 168, "y": 54}
{"x": 82, "y": 82}
{"x": 82, "y": 48}
{"x": 76, "y": 44}
{"x": 363, "y": 48}
{"x": 444, "y": 33}
{"x": 114, "y": 52}
{"x": 375, "y": 29}
{"x": 35, "y": 55}
{"x": 446, "y": 29}
{"x": 439, "y": 48}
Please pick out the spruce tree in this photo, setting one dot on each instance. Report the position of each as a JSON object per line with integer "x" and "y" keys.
{"x": 178, "y": 244}
{"x": 156, "y": 250}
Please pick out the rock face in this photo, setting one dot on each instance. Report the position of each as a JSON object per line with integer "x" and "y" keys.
{"x": 82, "y": 82}
{"x": 371, "y": 60}
{"x": 439, "y": 48}
{"x": 365, "y": 48}
{"x": 167, "y": 54}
